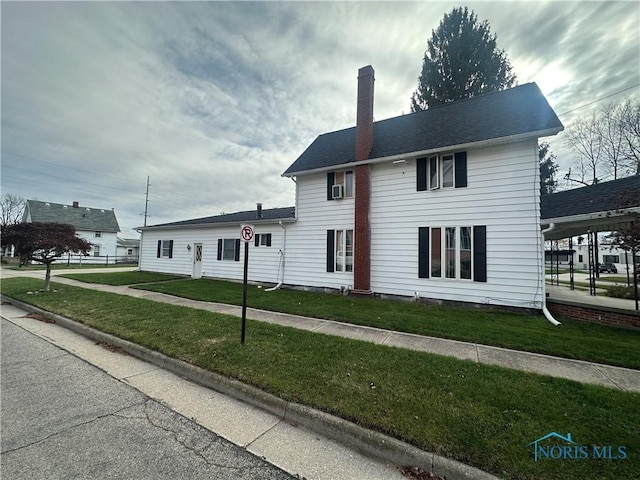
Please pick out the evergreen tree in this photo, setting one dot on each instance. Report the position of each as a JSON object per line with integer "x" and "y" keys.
{"x": 462, "y": 60}
{"x": 548, "y": 169}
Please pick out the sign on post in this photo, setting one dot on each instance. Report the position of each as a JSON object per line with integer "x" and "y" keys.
{"x": 246, "y": 234}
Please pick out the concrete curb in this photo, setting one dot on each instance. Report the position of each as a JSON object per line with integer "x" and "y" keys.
{"x": 367, "y": 441}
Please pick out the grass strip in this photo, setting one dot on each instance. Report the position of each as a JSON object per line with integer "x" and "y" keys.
{"x": 481, "y": 415}
{"x": 532, "y": 333}
{"x": 121, "y": 278}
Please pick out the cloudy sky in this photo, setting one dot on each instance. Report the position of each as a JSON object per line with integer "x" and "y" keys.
{"x": 214, "y": 100}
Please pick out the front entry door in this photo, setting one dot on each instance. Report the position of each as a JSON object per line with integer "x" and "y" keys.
{"x": 197, "y": 260}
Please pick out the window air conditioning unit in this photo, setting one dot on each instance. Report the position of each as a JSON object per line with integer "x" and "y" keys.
{"x": 337, "y": 191}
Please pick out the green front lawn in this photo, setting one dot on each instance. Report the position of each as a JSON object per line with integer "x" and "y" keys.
{"x": 533, "y": 333}
{"x": 121, "y": 278}
{"x": 478, "y": 414}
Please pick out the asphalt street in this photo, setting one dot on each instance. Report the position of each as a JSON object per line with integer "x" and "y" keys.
{"x": 64, "y": 418}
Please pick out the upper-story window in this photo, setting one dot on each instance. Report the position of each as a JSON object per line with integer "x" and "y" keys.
{"x": 98, "y": 234}
{"x": 441, "y": 171}
{"x": 339, "y": 185}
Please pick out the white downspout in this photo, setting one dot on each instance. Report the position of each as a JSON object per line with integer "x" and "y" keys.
{"x": 545, "y": 310}
{"x": 284, "y": 243}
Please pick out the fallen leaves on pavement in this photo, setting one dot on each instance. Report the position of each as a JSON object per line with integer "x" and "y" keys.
{"x": 416, "y": 473}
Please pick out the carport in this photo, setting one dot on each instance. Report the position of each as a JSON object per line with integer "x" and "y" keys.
{"x": 604, "y": 207}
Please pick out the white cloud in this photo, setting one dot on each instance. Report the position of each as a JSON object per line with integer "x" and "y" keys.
{"x": 213, "y": 101}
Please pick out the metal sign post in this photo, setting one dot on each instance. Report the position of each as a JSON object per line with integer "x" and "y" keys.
{"x": 246, "y": 234}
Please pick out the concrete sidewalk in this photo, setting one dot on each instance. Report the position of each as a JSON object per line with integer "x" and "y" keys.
{"x": 300, "y": 440}
{"x": 577, "y": 370}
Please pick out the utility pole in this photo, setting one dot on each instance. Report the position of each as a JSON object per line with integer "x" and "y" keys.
{"x": 146, "y": 203}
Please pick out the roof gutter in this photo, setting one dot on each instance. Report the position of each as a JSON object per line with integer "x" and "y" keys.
{"x": 545, "y": 310}
{"x": 589, "y": 216}
{"x": 218, "y": 224}
{"x": 390, "y": 158}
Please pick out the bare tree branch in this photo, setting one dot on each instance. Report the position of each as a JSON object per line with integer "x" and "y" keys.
{"x": 11, "y": 209}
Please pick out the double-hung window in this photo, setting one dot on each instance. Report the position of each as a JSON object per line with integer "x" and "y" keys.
{"x": 165, "y": 249}
{"x": 441, "y": 171}
{"x": 262, "y": 239}
{"x": 229, "y": 249}
{"x": 452, "y": 253}
{"x": 340, "y": 250}
{"x": 339, "y": 185}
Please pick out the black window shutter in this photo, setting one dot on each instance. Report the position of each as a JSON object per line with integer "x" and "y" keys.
{"x": 331, "y": 250}
{"x": 268, "y": 239}
{"x": 480, "y": 253}
{"x": 331, "y": 176}
{"x": 159, "y": 248}
{"x": 257, "y": 237}
{"x": 219, "y": 249}
{"x": 170, "y": 248}
{"x": 461, "y": 169}
{"x": 421, "y": 176}
{"x": 237, "y": 259}
{"x": 423, "y": 252}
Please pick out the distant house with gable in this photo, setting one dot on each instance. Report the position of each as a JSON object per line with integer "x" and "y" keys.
{"x": 98, "y": 226}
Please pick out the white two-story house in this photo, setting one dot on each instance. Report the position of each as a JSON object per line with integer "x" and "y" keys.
{"x": 441, "y": 204}
{"x": 97, "y": 226}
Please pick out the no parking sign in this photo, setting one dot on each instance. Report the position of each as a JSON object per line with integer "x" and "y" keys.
{"x": 246, "y": 233}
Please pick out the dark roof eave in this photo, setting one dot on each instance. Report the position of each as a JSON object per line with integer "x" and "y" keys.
{"x": 218, "y": 224}
{"x": 590, "y": 216}
{"x": 477, "y": 144}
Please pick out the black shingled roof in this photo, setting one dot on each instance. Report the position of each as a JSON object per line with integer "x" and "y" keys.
{"x": 82, "y": 218}
{"x": 601, "y": 197}
{"x": 519, "y": 110}
{"x": 270, "y": 214}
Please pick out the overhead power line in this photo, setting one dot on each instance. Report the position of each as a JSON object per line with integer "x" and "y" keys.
{"x": 70, "y": 168}
{"x": 31, "y": 180}
{"x": 600, "y": 99}
{"x": 70, "y": 179}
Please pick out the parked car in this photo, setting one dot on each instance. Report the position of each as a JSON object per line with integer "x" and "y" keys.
{"x": 608, "y": 268}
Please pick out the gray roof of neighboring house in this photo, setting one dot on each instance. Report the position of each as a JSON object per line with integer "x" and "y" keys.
{"x": 128, "y": 242}
{"x": 82, "y": 218}
{"x": 513, "y": 112}
{"x": 268, "y": 215}
{"x": 601, "y": 197}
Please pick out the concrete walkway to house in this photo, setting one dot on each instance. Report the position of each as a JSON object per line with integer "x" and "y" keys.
{"x": 577, "y": 370}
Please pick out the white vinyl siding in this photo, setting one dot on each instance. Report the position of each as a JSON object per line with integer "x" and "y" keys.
{"x": 264, "y": 263}
{"x": 106, "y": 245}
{"x": 306, "y": 253}
{"x": 502, "y": 193}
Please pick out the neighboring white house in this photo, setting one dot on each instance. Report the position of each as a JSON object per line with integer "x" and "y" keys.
{"x": 96, "y": 225}
{"x": 606, "y": 254}
{"x": 127, "y": 250}
{"x": 441, "y": 204}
